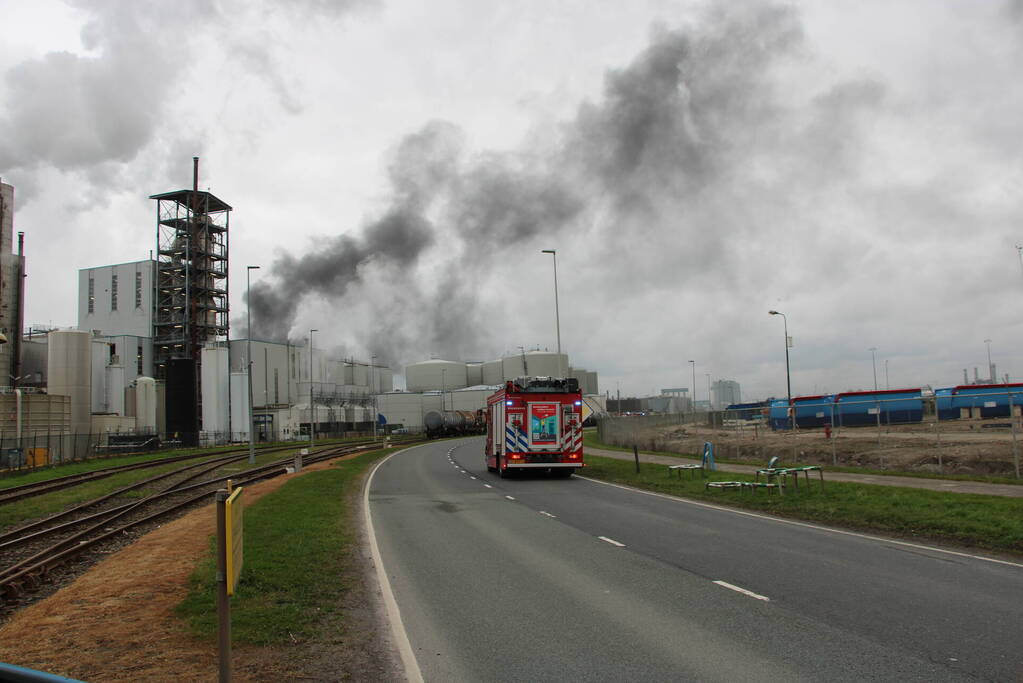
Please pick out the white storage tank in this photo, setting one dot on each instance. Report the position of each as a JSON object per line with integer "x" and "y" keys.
{"x": 493, "y": 372}
{"x": 69, "y": 369}
{"x": 513, "y": 367}
{"x": 474, "y": 374}
{"x": 215, "y": 389}
{"x": 115, "y": 389}
{"x": 239, "y": 406}
{"x": 145, "y": 405}
{"x": 546, "y": 364}
{"x": 432, "y": 375}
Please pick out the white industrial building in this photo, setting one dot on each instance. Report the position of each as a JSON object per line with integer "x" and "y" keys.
{"x": 436, "y": 385}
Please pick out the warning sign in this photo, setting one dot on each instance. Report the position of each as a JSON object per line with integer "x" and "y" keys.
{"x": 233, "y": 518}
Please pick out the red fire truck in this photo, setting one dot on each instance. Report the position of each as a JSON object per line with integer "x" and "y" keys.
{"x": 535, "y": 423}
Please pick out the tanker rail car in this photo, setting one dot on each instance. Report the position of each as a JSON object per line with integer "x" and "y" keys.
{"x": 441, "y": 423}
{"x": 535, "y": 423}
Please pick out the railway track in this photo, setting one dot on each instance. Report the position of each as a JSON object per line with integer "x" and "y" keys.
{"x": 38, "y": 488}
{"x": 30, "y": 555}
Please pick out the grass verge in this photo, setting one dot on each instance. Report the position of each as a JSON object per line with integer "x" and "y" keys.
{"x": 299, "y": 544}
{"x": 990, "y": 522}
{"x": 591, "y": 440}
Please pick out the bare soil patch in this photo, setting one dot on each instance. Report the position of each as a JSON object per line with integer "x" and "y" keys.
{"x": 117, "y": 622}
{"x": 968, "y": 447}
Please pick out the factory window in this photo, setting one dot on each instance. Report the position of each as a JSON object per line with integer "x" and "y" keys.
{"x": 92, "y": 294}
{"x": 138, "y": 359}
{"x": 277, "y": 388}
{"x": 113, "y": 292}
{"x": 138, "y": 289}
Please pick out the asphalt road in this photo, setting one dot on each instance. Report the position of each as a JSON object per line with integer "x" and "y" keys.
{"x": 540, "y": 580}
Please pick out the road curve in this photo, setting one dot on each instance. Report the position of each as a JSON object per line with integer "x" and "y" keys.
{"x": 542, "y": 580}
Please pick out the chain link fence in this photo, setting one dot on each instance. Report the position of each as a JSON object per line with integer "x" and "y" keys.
{"x": 968, "y": 433}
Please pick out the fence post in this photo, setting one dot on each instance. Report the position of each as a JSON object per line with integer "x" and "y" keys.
{"x": 937, "y": 434}
{"x": 1015, "y": 444}
{"x": 834, "y": 454}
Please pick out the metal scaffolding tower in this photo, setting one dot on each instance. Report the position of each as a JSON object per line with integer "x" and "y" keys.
{"x": 192, "y": 278}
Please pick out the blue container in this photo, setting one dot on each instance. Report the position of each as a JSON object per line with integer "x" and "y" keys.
{"x": 855, "y": 408}
{"x": 747, "y": 411}
{"x": 992, "y": 400}
{"x": 813, "y": 411}
{"x": 779, "y": 414}
{"x": 943, "y": 399}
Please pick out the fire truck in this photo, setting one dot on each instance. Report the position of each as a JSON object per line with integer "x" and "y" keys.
{"x": 535, "y": 423}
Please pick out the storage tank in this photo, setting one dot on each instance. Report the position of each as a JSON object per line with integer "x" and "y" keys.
{"x": 360, "y": 375}
{"x": 493, "y": 372}
{"x": 145, "y": 405}
{"x": 69, "y": 366}
{"x": 215, "y": 389}
{"x": 432, "y": 375}
{"x": 239, "y": 406}
{"x": 115, "y": 389}
{"x": 512, "y": 367}
{"x": 546, "y": 364}
{"x": 474, "y": 374}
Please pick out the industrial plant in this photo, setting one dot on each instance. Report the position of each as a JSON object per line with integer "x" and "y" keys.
{"x": 151, "y": 360}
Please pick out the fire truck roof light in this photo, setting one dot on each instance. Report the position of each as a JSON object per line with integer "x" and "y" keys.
{"x": 507, "y": 403}
{"x": 578, "y": 403}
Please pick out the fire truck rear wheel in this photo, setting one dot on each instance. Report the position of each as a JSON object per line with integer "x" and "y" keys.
{"x": 561, "y": 473}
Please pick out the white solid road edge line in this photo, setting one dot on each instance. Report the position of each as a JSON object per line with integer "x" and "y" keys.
{"x": 807, "y": 525}
{"x": 743, "y": 591}
{"x": 611, "y": 541}
{"x": 401, "y": 641}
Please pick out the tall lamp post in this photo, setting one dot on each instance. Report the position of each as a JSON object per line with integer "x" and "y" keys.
{"x": 312, "y": 409}
{"x": 693, "y": 363}
{"x": 376, "y": 390}
{"x": 873, "y": 360}
{"x": 248, "y": 359}
{"x": 557, "y": 311}
{"x": 788, "y": 372}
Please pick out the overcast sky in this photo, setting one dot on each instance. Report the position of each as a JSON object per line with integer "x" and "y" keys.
{"x": 396, "y": 168}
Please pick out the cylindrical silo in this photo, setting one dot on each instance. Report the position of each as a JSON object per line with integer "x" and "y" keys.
{"x": 145, "y": 405}
{"x": 513, "y": 367}
{"x": 474, "y": 374}
{"x": 546, "y": 364}
{"x": 493, "y": 372}
{"x": 216, "y": 389}
{"x": 115, "y": 389}
{"x": 69, "y": 367}
{"x": 433, "y": 375}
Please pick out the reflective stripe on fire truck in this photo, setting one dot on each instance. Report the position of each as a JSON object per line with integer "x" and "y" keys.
{"x": 514, "y": 440}
{"x": 572, "y": 440}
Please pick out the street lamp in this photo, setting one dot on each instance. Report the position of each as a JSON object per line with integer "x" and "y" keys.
{"x": 557, "y": 311}
{"x": 248, "y": 357}
{"x": 710, "y": 400}
{"x": 312, "y": 409}
{"x": 693, "y": 363}
{"x": 376, "y": 390}
{"x": 873, "y": 360}
{"x": 788, "y": 372}
{"x": 990, "y": 368}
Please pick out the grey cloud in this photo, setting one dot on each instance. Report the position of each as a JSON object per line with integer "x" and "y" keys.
{"x": 74, "y": 112}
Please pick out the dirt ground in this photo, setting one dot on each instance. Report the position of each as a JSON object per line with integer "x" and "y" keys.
{"x": 966, "y": 447}
{"x": 117, "y": 622}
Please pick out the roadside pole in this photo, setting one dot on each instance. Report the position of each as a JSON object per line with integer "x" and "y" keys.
{"x": 223, "y": 604}
{"x": 635, "y": 454}
{"x": 229, "y": 565}
{"x": 1015, "y": 444}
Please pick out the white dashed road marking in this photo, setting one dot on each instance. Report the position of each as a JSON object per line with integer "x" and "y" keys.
{"x": 547, "y": 514}
{"x": 509, "y": 498}
{"x": 743, "y": 591}
{"x": 611, "y": 541}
